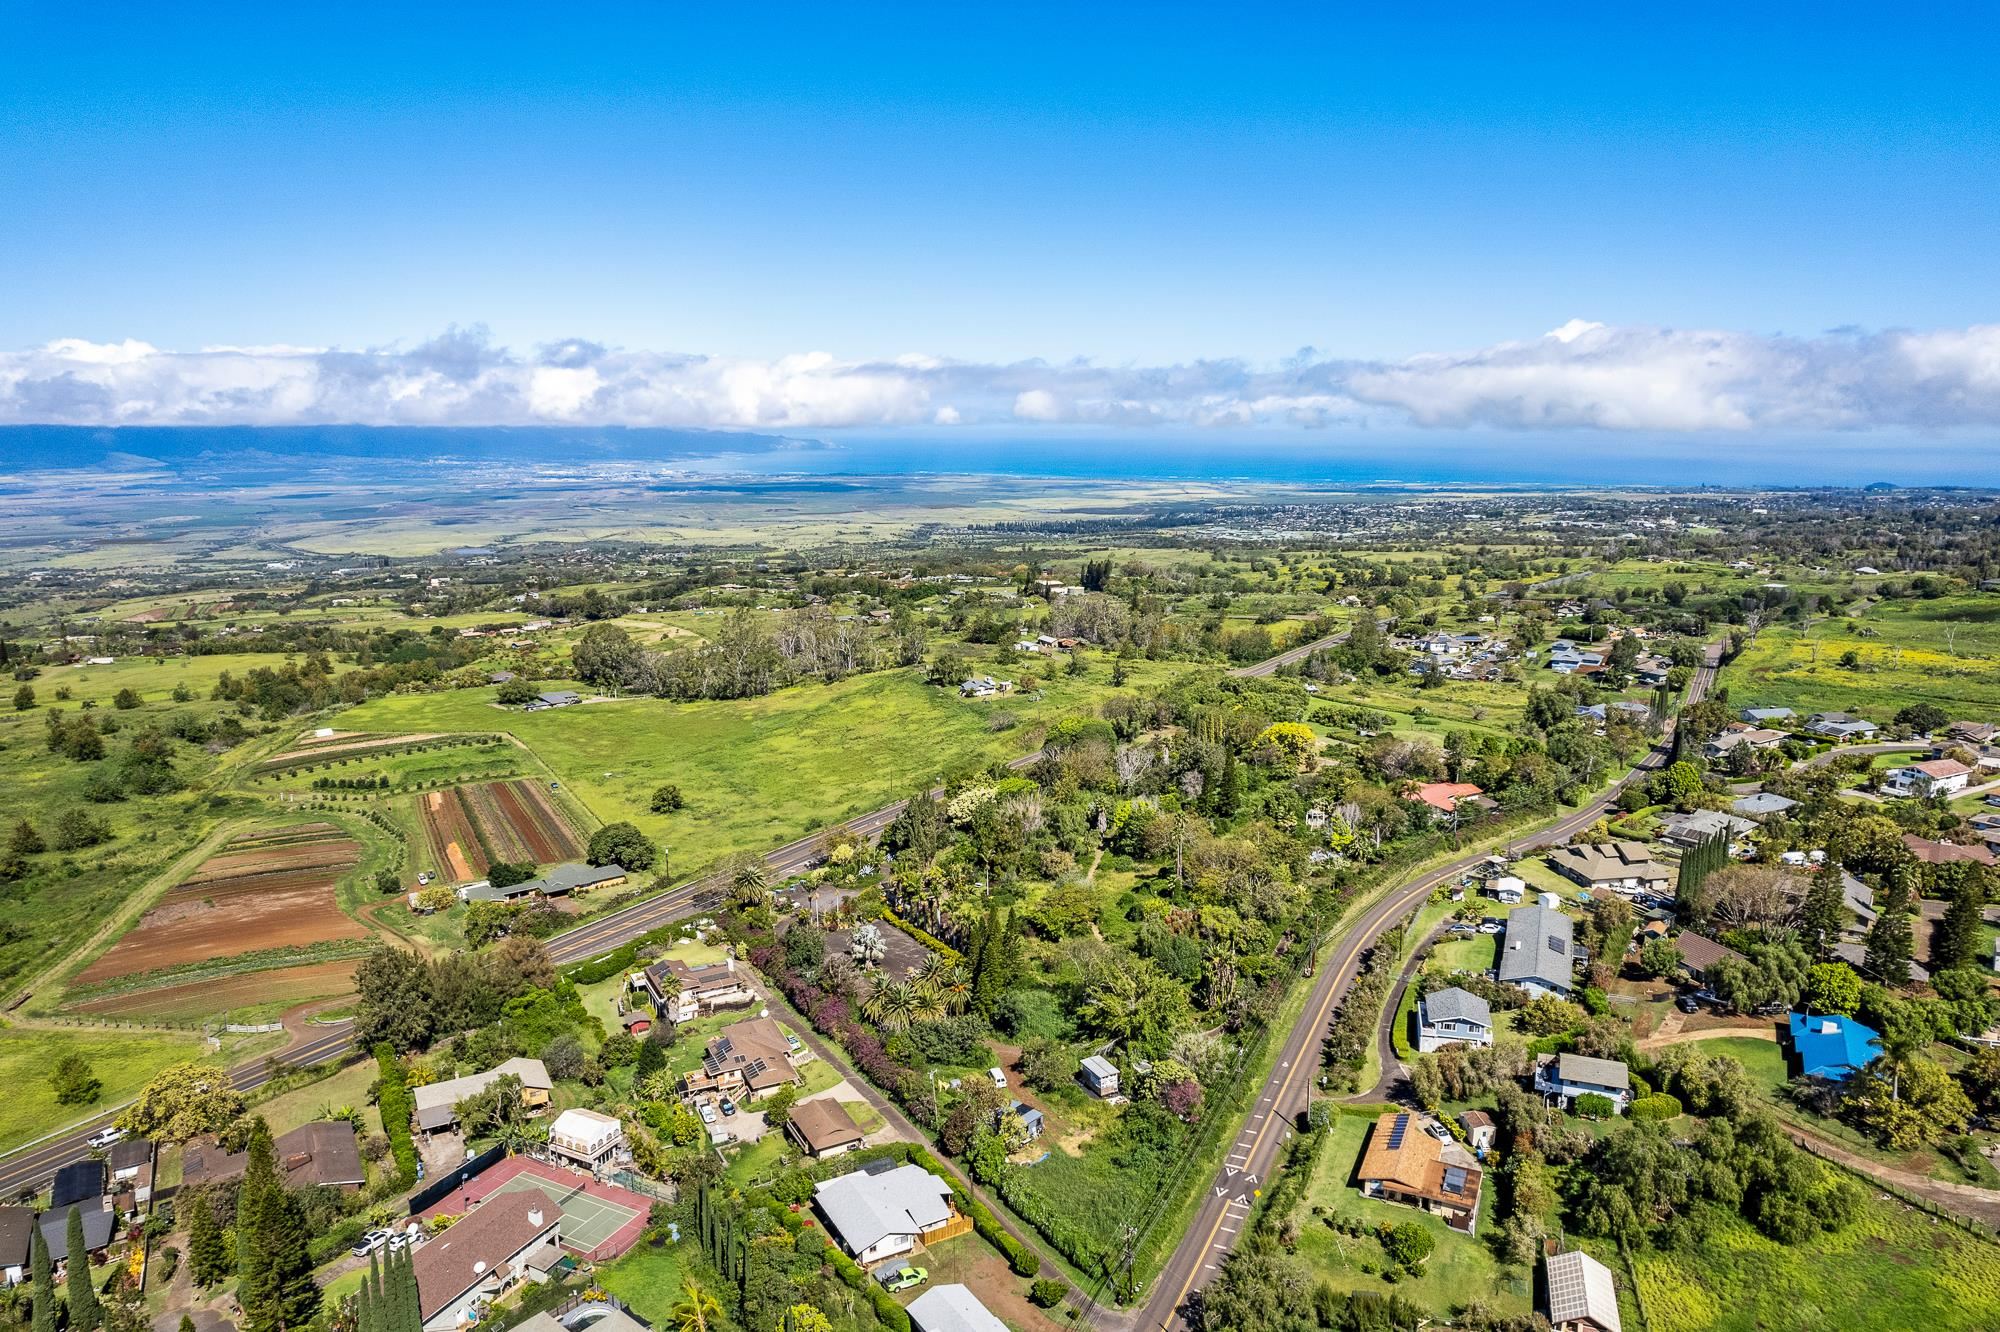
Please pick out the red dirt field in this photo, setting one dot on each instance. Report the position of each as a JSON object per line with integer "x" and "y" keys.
{"x": 262, "y": 892}
{"x": 515, "y": 820}
{"x": 448, "y": 828}
{"x": 201, "y": 999}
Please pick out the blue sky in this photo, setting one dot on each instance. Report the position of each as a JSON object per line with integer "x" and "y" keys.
{"x": 1148, "y": 184}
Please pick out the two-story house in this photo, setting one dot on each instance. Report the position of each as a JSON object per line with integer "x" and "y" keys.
{"x": 1453, "y": 1017}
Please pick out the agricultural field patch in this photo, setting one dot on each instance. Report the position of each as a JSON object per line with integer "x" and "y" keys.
{"x": 261, "y": 891}
{"x": 468, "y": 828}
{"x": 266, "y": 992}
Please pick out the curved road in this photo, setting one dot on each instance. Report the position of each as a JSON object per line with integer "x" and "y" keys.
{"x": 1233, "y": 1191}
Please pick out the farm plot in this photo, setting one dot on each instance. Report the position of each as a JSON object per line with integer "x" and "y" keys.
{"x": 261, "y": 891}
{"x": 470, "y": 827}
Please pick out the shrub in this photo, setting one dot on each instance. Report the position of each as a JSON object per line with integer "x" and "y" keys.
{"x": 1047, "y": 1292}
{"x": 1592, "y": 1106}
{"x": 1660, "y": 1106}
{"x": 393, "y": 1097}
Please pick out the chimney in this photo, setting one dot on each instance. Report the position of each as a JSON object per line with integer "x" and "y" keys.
{"x": 535, "y": 1217}
{"x": 729, "y": 963}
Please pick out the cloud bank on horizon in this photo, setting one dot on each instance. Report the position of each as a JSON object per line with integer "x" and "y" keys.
{"x": 1583, "y": 375}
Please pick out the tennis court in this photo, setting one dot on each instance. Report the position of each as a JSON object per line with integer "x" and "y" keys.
{"x": 599, "y": 1220}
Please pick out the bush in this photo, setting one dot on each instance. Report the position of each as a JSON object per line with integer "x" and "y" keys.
{"x": 1661, "y": 1106}
{"x": 393, "y": 1097}
{"x": 1046, "y": 1292}
{"x": 1592, "y": 1106}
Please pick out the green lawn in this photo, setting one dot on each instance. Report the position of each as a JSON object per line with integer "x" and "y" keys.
{"x": 755, "y": 772}
{"x": 303, "y": 1105}
{"x": 122, "y": 1061}
{"x": 1764, "y": 1061}
{"x": 648, "y": 1279}
{"x": 1461, "y": 1269}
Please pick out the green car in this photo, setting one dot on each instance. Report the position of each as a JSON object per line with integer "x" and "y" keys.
{"x": 904, "y": 1278}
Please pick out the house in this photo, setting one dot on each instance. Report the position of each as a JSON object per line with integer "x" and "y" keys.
{"x": 1855, "y": 954}
{"x": 747, "y": 1058}
{"x": 1699, "y": 953}
{"x": 1741, "y": 737}
{"x": 321, "y": 1154}
{"x": 1508, "y": 890}
{"x": 80, "y": 1183}
{"x": 1831, "y": 1046}
{"x": 100, "y": 1226}
{"x": 1582, "y": 1295}
{"x": 437, "y": 1102}
{"x": 1453, "y": 1017}
{"x": 1100, "y": 1075}
{"x": 983, "y": 686}
{"x": 555, "y": 698}
{"x": 1762, "y": 805}
{"x": 587, "y": 1138}
{"x": 952, "y": 1308}
{"x": 508, "y": 1239}
{"x": 823, "y": 1128}
{"x": 1444, "y": 798}
{"x": 1945, "y": 853}
{"x": 17, "y": 1228}
{"x": 1539, "y": 952}
{"x": 1031, "y": 1119}
{"x": 1757, "y": 716}
{"x": 1480, "y": 1130}
{"x": 1569, "y": 1076}
{"x": 573, "y": 877}
{"x": 1628, "y": 867}
{"x": 1841, "y": 726}
{"x": 1927, "y": 780}
{"x": 1688, "y": 830}
{"x": 683, "y": 993}
{"x": 1404, "y": 1163}
{"x": 602, "y": 1313}
{"x": 876, "y": 1214}
{"x": 1971, "y": 733}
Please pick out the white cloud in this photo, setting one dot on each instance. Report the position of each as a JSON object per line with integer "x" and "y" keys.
{"x": 1582, "y": 375}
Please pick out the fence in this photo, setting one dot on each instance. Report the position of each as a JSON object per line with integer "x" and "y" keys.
{"x": 447, "y": 1183}
{"x": 243, "y": 1027}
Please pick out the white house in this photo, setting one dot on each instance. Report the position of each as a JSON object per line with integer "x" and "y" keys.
{"x": 683, "y": 993}
{"x": 1508, "y": 889}
{"x": 879, "y": 1215}
{"x": 1572, "y": 1075}
{"x": 586, "y": 1137}
{"x": 952, "y": 1308}
{"x": 1453, "y": 1017}
{"x": 1927, "y": 780}
{"x": 1100, "y": 1075}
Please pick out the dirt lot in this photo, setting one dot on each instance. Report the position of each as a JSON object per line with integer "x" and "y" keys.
{"x": 261, "y": 899}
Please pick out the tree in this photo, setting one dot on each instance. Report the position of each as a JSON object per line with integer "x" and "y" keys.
{"x": 26, "y": 841}
{"x": 77, "y": 828}
{"x": 126, "y": 699}
{"x": 1825, "y": 910}
{"x": 208, "y": 1252}
{"x": 73, "y": 1081}
{"x": 696, "y": 1310}
{"x": 1958, "y": 936}
{"x": 1293, "y": 743}
{"x": 1914, "y": 1105}
{"x": 1890, "y": 942}
{"x": 668, "y": 800}
{"x": 1408, "y": 1243}
{"x": 507, "y": 873}
{"x": 777, "y": 1107}
{"x": 606, "y": 656}
{"x": 1683, "y": 780}
{"x": 513, "y": 693}
{"x": 622, "y": 844}
{"x": 182, "y": 1101}
{"x": 24, "y": 698}
{"x": 1921, "y": 718}
{"x": 273, "y": 1251}
{"x": 1660, "y": 957}
{"x": 1833, "y": 987}
{"x": 85, "y": 1315}
{"x": 43, "y": 1279}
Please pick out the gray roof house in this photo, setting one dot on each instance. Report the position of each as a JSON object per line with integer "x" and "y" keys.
{"x": 1582, "y": 1295}
{"x": 1841, "y": 726}
{"x": 952, "y": 1308}
{"x": 877, "y": 1214}
{"x": 1627, "y": 866}
{"x": 1693, "y": 829}
{"x": 1537, "y": 954}
{"x": 1453, "y": 1017}
{"x": 1572, "y": 1075}
{"x": 98, "y": 1226}
{"x": 1755, "y": 715}
{"x": 1762, "y": 805}
{"x": 436, "y": 1102}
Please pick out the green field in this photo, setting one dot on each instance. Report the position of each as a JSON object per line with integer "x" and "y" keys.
{"x": 123, "y": 1060}
{"x": 755, "y": 772}
{"x": 1945, "y": 652}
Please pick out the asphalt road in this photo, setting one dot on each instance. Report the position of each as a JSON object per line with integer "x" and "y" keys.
{"x": 1259, "y": 1143}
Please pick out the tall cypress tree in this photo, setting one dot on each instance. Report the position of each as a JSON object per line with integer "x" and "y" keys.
{"x": 277, "y": 1290}
{"x": 1890, "y": 941}
{"x": 1956, "y": 943}
{"x": 1825, "y": 909}
{"x": 43, "y": 1277}
{"x": 84, "y": 1313}
{"x": 209, "y": 1259}
{"x": 409, "y": 1311}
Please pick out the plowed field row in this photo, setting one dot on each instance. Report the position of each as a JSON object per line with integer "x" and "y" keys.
{"x": 526, "y": 806}
{"x": 515, "y": 820}
{"x": 448, "y": 828}
{"x": 239, "y": 902}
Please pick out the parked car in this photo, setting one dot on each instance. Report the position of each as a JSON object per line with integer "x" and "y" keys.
{"x": 370, "y": 1242}
{"x": 999, "y": 1077}
{"x": 104, "y": 1137}
{"x": 1687, "y": 1003}
{"x": 905, "y": 1278}
{"x": 728, "y": 1106}
{"x": 1438, "y": 1131}
{"x": 707, "y": 1113}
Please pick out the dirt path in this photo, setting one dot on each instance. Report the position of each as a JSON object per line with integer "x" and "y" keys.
{"x": 1982, "y": 1205}
{"x": 1662, "y": 1038}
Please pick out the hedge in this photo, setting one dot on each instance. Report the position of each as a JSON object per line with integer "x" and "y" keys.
{"x": 928, "y": 940}
{"x": 1661, "y": 1106}
{"x": 397, "y": 1105}
{"x": 1022, "y": 1259}
{"x": 851, "y": 1274}
{"x": 622, "y": 958}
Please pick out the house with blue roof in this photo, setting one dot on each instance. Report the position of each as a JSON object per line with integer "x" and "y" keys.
{"x": 1831, "y": 1046}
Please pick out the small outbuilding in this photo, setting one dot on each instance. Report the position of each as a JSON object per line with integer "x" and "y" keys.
{"x": 1100, "y": 1075}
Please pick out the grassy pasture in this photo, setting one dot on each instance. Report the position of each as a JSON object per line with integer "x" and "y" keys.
{"x": 1905, "y": 660}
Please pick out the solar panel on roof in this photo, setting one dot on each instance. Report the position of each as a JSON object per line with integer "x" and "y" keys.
{"x": 1557, "y": 944}
{"x": 1397, "y": 1130}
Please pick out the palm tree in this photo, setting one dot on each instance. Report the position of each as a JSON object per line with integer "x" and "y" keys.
{"x": 892, "y": 1004}
{"x": 748, "y": 880}
{"x": 697, "y": 1309}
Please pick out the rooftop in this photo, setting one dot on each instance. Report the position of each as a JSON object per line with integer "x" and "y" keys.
{"x": 1538, "y": 946}
{"x": 1581, "y": 1288}
{"x": 491, "y": 1234}
{"x": 866, "y": 1208}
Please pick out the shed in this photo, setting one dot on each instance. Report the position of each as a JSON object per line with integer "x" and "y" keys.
{"x": 1100, "y": 1075}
